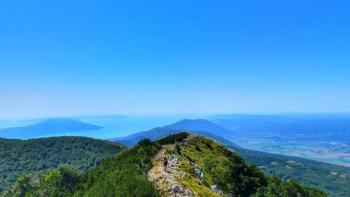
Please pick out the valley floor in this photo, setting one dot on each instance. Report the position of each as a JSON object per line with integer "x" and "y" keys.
{"x": 334, "y": 152}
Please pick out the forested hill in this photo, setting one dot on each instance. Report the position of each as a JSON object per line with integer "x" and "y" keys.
{"x": 19, "y": 157}
{"x": 178, "y": 165}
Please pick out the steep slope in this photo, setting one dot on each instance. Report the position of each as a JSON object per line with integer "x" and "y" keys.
{"x": 175, "y": 166}
{"x": 333, "y": 179}
{"x": 47, "y": 127}
{"x": 32, "y": 156}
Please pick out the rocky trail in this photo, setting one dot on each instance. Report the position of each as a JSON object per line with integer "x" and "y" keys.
{"x": 164, "y": 172}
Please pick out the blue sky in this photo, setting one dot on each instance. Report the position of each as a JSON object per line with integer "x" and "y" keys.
{"x": 69, "y": 57}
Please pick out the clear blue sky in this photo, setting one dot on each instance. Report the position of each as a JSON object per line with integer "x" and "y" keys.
{"x": 73, "y": 57}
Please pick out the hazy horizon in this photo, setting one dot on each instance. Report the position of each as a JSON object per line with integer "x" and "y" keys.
{"x": 104, "y": 57}
{"x": 179, "y": 115}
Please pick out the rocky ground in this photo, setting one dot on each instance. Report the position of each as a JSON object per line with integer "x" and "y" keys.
{"x": 164, "y": 172}
{"x": 168, "y": 176}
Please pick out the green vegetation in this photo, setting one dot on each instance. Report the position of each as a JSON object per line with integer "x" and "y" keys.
{"x": 204, "y": 162}
{"x": 18, "y": 157}
{"x": 231, "y": 174}
{"x": 291, "y": 188}
{"x": 171, "y": 139}
{"x": 122, "y": 175}
{"x": 333, "y": 179}
{"x": 57, "y": 182}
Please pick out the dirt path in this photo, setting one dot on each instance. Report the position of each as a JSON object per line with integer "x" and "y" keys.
{"x": 163, "y": 174}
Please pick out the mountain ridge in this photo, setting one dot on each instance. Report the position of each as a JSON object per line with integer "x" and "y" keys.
{"x": 180, "y": 165}
{"x": 198, "y": 126}
{"x": 312, "y": 173}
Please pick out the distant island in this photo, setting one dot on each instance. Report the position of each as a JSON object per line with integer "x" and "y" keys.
{"x": 47, "y": 127}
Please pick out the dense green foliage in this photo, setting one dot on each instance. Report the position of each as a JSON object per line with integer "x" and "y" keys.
{"x": 122, "y": 175}
{"x": 58, "y": 182}
{"x": 19, "y": 157}
{"x": 315, "y": 174}
{"x": 291, "y": 188}
{"x": 171, "y": 139}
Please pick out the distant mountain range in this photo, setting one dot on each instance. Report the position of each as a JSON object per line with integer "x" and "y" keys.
{"x": 199, "y": 126}
{"x": 288, "y": 127}
{"x": 279, "y": 127}
{"x": 46, "y": 128}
